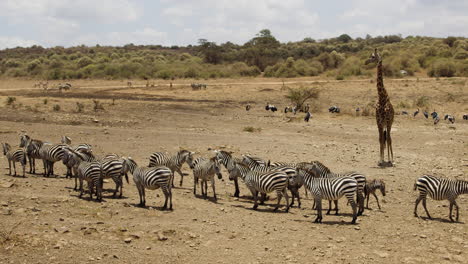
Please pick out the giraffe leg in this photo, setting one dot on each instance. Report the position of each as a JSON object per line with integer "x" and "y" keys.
{"x": 389, "y": 144}
{"x": 382, "y": 144}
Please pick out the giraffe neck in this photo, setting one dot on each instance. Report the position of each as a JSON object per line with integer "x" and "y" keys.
{"x": 380, "y": 86}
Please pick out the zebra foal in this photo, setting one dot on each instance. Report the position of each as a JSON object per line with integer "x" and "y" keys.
{"x": 371, "y": 187}
{"x": 32, "y": 147}
{"x": 150, "y": 178}
{"x": 228, "y": 160}
{"x": 13, "y": 156}
{"x": 439, "y": 189}
{"x": 91, "y": 172}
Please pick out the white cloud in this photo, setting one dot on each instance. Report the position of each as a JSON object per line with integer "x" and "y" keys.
{"x": 145, "y": 36}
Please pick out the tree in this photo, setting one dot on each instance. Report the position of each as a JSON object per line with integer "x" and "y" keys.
{"x": 299, "y": 96}
{"x": 450, "y": 41}
{"x": 262, "y": 50}
{"x": 345, "y": 38}
{"x": 212, "y": 53}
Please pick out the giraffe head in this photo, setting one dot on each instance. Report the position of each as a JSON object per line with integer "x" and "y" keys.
{"x": 374, "y": 57}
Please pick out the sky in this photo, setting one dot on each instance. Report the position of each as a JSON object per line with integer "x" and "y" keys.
{"x": 181, "y": 22}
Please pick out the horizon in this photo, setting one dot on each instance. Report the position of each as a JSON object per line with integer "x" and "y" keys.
{"x": 52, "y": 23}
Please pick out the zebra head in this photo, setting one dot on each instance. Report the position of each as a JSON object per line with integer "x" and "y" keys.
{"x": 24, "y": 140}
{"x": 128, "y": 165}
{"x": 66, "y": 140}
{"x": 382, "y": 188}
{"x": 6, "y": 148}
{"x": 189, "y": 159}
{"x": 217, "y": 167}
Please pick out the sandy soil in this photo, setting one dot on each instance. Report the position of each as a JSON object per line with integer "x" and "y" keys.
{"x": 43, "y": 220}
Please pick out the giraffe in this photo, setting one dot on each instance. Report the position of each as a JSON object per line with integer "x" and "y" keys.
{"x": 384, "y": 112}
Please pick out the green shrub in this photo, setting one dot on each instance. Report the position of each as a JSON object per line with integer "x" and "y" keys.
{"x": 45, "y": 101}
{"x": 97, "y": 105}
{"x": 298, "y": 96}
{"x": 10, "y": 100}
{"x": 442, "y": 68}
{"x": 56, "y": 108}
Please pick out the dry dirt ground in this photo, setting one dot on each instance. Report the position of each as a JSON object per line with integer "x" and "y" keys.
{"x": 43, "y": 220}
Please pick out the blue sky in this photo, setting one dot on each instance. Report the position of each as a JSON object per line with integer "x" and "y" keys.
{"x": 181, "y": 22}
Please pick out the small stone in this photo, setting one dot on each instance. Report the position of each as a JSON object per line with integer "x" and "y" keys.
{"x": 382, "y": 254}
{"x": 357, "y": 228}
{"x": 128, "y": 240}
{"x": 422, "y": 236}
{"x": 148, "y": 248}
{"x": 6, "y": 211}
{"x": 161, "y": 237}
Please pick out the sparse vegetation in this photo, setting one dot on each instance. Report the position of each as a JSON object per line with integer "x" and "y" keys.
{"x": 299, "y": 96}
{"x": 97, "y": 105}
{"x": 79, "y": 107}
{"x": 422, "y": 101}
{"x": 56, "y": 108}
{"x": 10, "y": 100}
{"x": 403, "y": 104}
{"x": 252, "y": 129}
{"x": 45, "y": 101}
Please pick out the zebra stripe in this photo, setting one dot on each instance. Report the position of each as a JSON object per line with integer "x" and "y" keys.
{"x": 172, "y": 162}
{"x": 151, "y": 178}
{"x": 91, "y": 172}
{"x": 50, "y": 154}
{"x": 205, "y": 169}
{"x": 227, "y": 160}
{"x": 13, "y": 156}
{"x": 32, "y": 147}
{"x": 439, "y": 189}
{"x": 72, "y": 159}
{"x": 113, "y": 168}
{"x": 329, "y": 189}
{"x": 263, "y": 182}
{"x": 371, "y": 187}
{"x": 323, "y": 171}
{"x": 252, "y": 161}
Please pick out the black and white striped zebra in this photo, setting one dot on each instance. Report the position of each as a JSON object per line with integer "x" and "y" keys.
{"x": 263, "y": 182}
{"x": 32, "y": 147}
{"x": 324, "y": 172}
{"x": 114, "y": 168}
{"x": 13, "y": 156}
{"x": 253, "y": 161}
{"x": 151, "y": 178}
{"x": 228, "y": 160}
{"x": 82, "y": 147}
{"x": 439, "y": 189}
{"x": 371, "y": 187}
{"x": 205, "y": 169}
{"x": 331, "y": 189}
{"x": 172, "y": 162}
{"x": 72, "y": 159}
{"x": 51, "y": 153}
{"x": 91, "y": 172}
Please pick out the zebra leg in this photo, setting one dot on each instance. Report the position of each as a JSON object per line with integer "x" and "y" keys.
{"x": 236, "y": 185}
{"x": 166, "y": 197}
{"x": 367, "y": 197}
{"x": 377, "y": 199}
{"x": 286, "y": 196}
{"x": 318, "y": 205}
{"x": 425, "y": 208}
{"x": 450, "y": 213}
{"x": 279, "y": 195}
{"x": 254, "y": 194}
{"x": 14, "y": 167}
{"x": 263, "y": 198}
{"x": 30, "y": 164}
{"x": 24, "y": 170}
{"x": 353, "y": 206}
{"x": 336, "y": 207}
{"x": 213, "y": 186}
{"x": 416, "y": 205}
{"x": 99, "y": 191}
{"x": 143, "y": 195}
{"x": 457, "y": 208}
{"x": 33, "y": 165}
{"x": 329, "y": 206}
{"x": 181, "y": 176}
{"x": 9, "y": 167}
{"x": 206, "y": 189}
{"x": 194, "y": 185}
{"x": 360, "y": 202}
{"x": 91, "y": 189}
{"x": 170, "y": 197}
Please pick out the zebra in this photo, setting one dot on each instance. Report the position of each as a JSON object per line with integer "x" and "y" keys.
{"x": 262, "y": 182}
{"x": 83, "y": 147}
{"x": 227, "y": 160}
{"x": 252, "y": 161}
{"x": 92, "y": 173}
{"x": 50, "y": 154}
{"x": 172, "y": 162}
{"x": 32, "y": 147}
{"x": 323, "y": 171}
{"x": 205, "y": 169}
{"x": 295, "y": 183}
{"x": 72, "y": 159}
{"x": 330, "y": 189}
{"x": 13, "y": 156}
{"x": 113, "y": 168}
{"x": 439, "y": 189}
{"x": 371, "y": 187}
{"x": 150, "y": 178}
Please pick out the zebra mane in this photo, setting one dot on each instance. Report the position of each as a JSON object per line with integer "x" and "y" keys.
{"x": 321, "y": 166}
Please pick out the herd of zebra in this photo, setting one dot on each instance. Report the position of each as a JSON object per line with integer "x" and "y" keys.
{"x": 260, "y": 176}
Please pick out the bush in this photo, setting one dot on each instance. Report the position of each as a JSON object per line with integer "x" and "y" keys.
{"x": 252, "y": 129}
{"x": 422, "y": 101}
{"x": 84, "y": 61}
{"x": 97, "y": 105}
{"x": 10, "y": 100}
{"x": 45, "y": 101}
{"x": 79, "y": 107}
{"x": 56, "y": 108}
{"x": 442, "y": 68}
{"x": 299, "y": 96}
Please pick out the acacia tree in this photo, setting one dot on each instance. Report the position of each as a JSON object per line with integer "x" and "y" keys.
{"x": 299, "y": 96}
{"x": 262, "y": 50}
